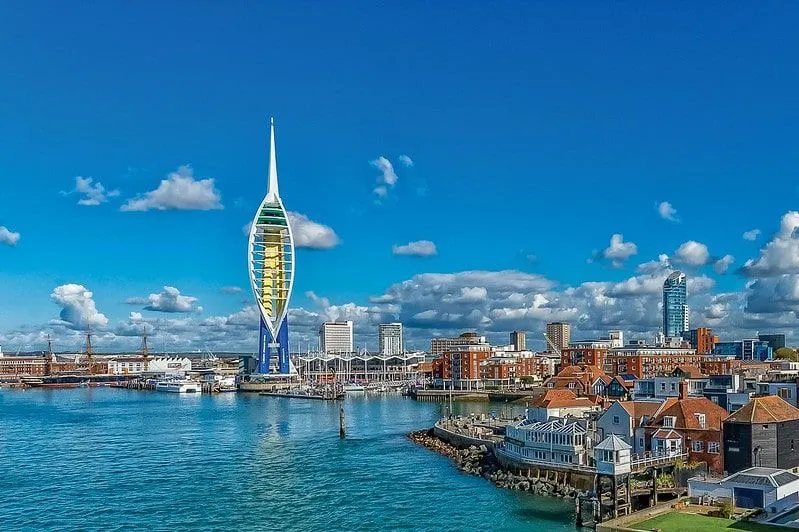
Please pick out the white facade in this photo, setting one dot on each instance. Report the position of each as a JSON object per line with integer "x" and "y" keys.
{"x": 135, "y": 365}
{"x": 390, "y": 336}
{"x": 560, "y": 440}
{"x": 336, "y": 337}
{"x": 616, "y": 338}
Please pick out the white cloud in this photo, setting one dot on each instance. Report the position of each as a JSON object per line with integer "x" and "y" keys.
{"x": 169, "y": 300}
{"x": 179, "y": 191}
{"x": 93, "y": 193}
{"x": 655, "y": 265}
{"x": 619, "y": 251}
{"x": 419, "y": 248}
{"x": 692, "y": 253}
{"x": 387, "y": 176}
{"x": 751, "y": 235}
{"x": 781, "y": 254}
{"x": 405, "y": 160}
{"x": 310, "y": 234}
{"x": 231, "y": 290}
{"x": 8, "y": 237}
{"x": 667, "y": 211}
{"x": 723, "y": 264}
{"x": 386, "y": 179}
{"x": 78, "y": 309}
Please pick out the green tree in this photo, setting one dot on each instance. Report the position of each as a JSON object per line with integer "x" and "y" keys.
{"x": 786, "y": 353}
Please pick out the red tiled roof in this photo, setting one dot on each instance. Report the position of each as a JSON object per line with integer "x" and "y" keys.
{"x": 560, "y": 399}
{"x": 639, "y": 409}
{"x": 769, "y": 409}
{"x": 684, "y": 411}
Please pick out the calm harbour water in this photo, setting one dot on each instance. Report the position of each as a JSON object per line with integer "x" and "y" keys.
{"x": 106, "y": 459}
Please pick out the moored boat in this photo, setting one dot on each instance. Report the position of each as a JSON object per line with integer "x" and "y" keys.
{"x": 178, "y": 386}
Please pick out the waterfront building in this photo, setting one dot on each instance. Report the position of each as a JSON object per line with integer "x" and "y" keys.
{"x": 438, "y": 346}
{"x": 558, "y": 441}
{"x": 270, "y": 256}
{"x": 560, "y": 403}
{"x": 675, "y": 305}
{"x": 518, "y": 340}
{"x": 702, "y": 339}
{"x": 622, "y": 418}
{"x": 775, "y": 341}
{"x": 513, "y": 368}
{"x": 459, "y": 366}
{"x": 390, "y": 339}
{"x": 27, "y": 366}
{"x": 361, "y": 366}
{"x": 690, "y": 423}
{"x": 559, "y": 334}
{"x": 135, "y": 365}
{"x": 763, "y": 433}
{"x": 336, "y": 337}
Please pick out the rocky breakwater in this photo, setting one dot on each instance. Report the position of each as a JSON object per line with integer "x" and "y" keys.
{"x": 478, "y": 460}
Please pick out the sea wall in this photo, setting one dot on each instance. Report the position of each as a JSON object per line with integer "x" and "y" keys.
{"x": 480, "y": 460}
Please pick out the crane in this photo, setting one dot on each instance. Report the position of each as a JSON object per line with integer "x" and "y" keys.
{"x": 555, "y": 349}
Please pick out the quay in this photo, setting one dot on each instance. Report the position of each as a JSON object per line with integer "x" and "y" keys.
{"x": 474, "y": 395}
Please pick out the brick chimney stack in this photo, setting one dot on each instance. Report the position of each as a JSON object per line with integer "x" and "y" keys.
{"x": 683, "y": 389}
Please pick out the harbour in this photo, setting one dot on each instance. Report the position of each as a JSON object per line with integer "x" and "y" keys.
{"x": 242, "y": 462}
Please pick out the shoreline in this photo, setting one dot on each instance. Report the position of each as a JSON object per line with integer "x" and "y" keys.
{"x": 480, "y": 461}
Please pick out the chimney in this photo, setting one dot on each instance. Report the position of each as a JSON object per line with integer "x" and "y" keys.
{"x": 683, "y": 390}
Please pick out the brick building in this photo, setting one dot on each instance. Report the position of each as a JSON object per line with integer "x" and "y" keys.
{"x": 690, "y": 423}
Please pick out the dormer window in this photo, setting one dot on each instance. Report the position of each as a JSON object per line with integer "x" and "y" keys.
{"x": 669, "y": 421}
{"x": 701, "y": 419}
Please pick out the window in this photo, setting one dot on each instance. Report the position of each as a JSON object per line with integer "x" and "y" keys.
{"x": 641, "y": 443}
{"x": 615, "y": 420}
{"x": 701, "y": 419}
{"x": 540, "y": 455}
{"x": 712, "y": 447}
{"x": 669, "y": 421}
{"x": 673, "y": 386}
{"x": 714, "y": 398}
{"x": 697, "y": 446}
{"x": 785, "y": 393}
{"x": 662, "y": 386}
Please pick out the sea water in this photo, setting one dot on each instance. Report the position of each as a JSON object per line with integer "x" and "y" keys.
{"x": 112, "y": 459}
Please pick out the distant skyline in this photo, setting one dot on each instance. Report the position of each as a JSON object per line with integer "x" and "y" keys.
{"x": 479, "y": 167}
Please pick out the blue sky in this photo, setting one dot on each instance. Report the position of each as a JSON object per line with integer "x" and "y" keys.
{"x": 535, "y": 132}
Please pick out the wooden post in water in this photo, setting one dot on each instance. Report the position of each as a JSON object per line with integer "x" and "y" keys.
{"x": 341, "y": 432}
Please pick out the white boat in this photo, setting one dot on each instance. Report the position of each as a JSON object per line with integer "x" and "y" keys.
{"x": 353, "y": 388}
{"x": 178, "y": 386}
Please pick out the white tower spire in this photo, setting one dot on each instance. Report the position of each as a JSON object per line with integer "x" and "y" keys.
{"x": 272, "y": 191}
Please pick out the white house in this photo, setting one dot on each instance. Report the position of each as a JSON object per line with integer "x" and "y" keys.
{"x": 757, "y": 487}
{"x": 559, "y": 440}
